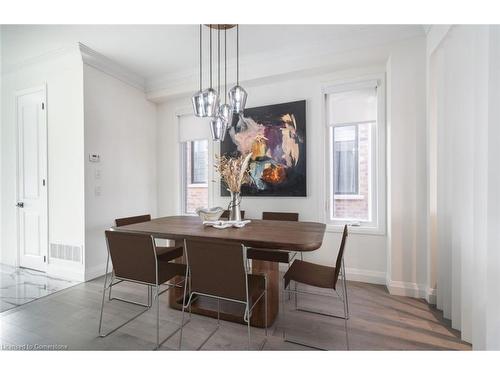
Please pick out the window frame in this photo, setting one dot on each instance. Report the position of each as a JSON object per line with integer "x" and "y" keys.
{"x": 377, "y": 191}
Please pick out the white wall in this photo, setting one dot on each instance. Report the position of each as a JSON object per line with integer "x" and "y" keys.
{"x": 493, "y": 210}
{"x": 407, "y": 198}
{"x": 64, "y": 79}
{"x": 120, "y": 125}
{"x": 1, "y": 127}
{"x": 366, "y": 255}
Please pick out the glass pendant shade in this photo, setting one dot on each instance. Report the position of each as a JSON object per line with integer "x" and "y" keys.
{"x": 237, "y": 99}
{"x": 218, "y": 126}
{"x": 205, "y": 103}
{"x": 198, "y": 108}
{"x": 226, "y": 112}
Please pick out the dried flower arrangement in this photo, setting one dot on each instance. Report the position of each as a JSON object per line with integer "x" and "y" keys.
{"x": 233, "y": 171}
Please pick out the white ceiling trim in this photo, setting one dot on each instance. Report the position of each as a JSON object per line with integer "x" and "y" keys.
{"x": 108, "y": 66}
{"x": 40, "y": 59}
{"x": 89, "y": 57}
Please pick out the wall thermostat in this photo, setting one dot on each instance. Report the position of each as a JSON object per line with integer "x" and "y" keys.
{"x": 94, "y": 158}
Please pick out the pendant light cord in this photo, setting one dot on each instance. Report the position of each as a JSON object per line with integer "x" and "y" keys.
{"x": 210, "y": 56}
{"x": 225, "y": 66}
{"x": 237, "y": 55}
{"x": 218, "y": 59}
{"x": 201, "y": 61}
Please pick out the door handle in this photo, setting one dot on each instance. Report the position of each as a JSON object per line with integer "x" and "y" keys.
{"x": 20, "y": 204}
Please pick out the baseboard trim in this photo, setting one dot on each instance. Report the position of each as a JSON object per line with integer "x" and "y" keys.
{"x": 65, "y": 271}
{"x": 408, "y": 289}
{"x": 366, "y": 276}
{"x": 431, "y": 296}
{"x": 95, "y": 272}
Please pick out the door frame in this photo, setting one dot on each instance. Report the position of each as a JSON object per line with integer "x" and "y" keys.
{"x": 17, "y": 94}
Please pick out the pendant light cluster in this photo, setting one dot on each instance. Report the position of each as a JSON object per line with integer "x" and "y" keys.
{"x": 207, "y": 103}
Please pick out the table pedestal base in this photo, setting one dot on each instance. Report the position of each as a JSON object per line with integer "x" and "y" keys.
{"x": 231, "y": 311}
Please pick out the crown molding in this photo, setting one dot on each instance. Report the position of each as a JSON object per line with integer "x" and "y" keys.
{"x": 44, "y": 57}
{"x": 88, "y": 56}
{"x": 111, "y": 67}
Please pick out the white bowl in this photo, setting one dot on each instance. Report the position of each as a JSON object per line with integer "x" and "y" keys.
{"x": 209, "y": 214}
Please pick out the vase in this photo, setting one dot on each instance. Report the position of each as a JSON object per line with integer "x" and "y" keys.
{"x": 234, "y": 207}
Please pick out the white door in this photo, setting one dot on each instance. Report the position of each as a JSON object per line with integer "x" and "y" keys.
{"x": 32, "y": 178}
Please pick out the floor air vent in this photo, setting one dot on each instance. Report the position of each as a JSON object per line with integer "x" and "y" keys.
{"x": 66, "y": 252}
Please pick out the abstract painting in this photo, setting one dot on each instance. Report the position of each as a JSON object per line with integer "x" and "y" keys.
{"x": 276, "y": 136}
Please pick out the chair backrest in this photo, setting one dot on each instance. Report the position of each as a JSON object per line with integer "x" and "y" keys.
{"x": 132, "y": 220}
{"x": 280, "y": 216}
{"x": 340, "y": 255}
{"x": 217, "y": 269}
{"x": 225, "y": 214}
{"x": 133, "y": 256}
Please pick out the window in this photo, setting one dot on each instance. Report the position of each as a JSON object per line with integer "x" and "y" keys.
{"x": 195, "y": 155}
{"x": 199, "y": 155}
{"x": 354, "y": 150}
{"x": 194, "y": 167}
{"x": 345, "y": 159}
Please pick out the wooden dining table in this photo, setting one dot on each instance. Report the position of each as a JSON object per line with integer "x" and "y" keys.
{"x": 270, "y": 235}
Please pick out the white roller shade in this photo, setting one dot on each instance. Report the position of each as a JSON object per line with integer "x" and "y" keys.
{"x": 193, "y": 128}
{"x": 353, "y": 106}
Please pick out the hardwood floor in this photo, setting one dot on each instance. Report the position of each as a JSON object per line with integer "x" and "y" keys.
{"x": 379, "y": 321}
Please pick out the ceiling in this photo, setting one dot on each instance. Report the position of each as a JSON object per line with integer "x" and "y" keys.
{"x": 152, "y": 51}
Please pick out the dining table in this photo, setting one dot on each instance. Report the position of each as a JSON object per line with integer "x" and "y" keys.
{"x": 265, "y": 235}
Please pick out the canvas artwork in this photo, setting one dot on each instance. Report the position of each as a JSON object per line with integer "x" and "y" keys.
{"x": 276, "y": 136}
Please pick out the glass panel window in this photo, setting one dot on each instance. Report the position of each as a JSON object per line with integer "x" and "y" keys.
{"x": 199, "y": 156}
{"x": 352, "y": 123}
{"x": 345, "y": 159}
{"x": 195, "y": 154}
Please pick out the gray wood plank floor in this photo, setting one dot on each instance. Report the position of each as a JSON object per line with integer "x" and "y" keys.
{"x": 379, "y": 321}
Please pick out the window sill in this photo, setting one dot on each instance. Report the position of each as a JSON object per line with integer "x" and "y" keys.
{"x": 370, "y": 231}
{"x": 205, "y": 185}
{"x": 349, "y": 197}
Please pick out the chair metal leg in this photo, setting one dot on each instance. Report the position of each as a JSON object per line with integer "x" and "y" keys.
{"x": 248, "y": 328}
{"x": 296, "y": 296}
{"x": 103, "y": 294}
{"x": 157, "y": 297}
{"x": 345, "y": 289}
{"x": 111, "y": 285}
{"x": 282, "y": 319}
{"x": 218, "y": 311}
{"x": 265, "y": 310}
{"x": 192, "y": 301}
{"x": 183, "y": 307}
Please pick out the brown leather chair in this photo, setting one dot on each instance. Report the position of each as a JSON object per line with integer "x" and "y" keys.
{"x": 135, "y": 259}
{"x": 319, "y": 276}
{"x": 275, "y": 255}
{"x": 164, "y": 253}
{"x": 225, "y": 215}
{"x": 219, "y": 270}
